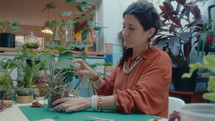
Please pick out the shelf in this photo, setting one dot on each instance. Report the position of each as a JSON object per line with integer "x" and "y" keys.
{"x": 8, "y": 51}
{"x": 208, "y": 48}
{"x": 189, "y": 97}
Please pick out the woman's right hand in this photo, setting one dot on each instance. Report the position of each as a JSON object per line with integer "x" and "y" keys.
{"x": 84, "y": 71}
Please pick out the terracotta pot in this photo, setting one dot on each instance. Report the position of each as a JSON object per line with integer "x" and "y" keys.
{"x": 19, "y": 84}
{"x": 41, "y": 86}
{"x": 210, "y": 39}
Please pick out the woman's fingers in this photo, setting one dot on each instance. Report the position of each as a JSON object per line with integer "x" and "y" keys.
{"x": 70, "y": 104}
{"x": 60, "y": 100}
{"x": 82, "y": 63}
{"x": 61, "y": 107}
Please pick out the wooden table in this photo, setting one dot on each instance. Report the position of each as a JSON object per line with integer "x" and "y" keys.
{"x": 189, "y": 97}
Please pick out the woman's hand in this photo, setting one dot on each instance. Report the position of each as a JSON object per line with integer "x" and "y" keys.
{"x": 85, "y": 71}
{"x": 71, "y": 104}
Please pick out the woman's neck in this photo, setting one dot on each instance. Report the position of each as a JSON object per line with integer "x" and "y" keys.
{"x": 139, "y": 51}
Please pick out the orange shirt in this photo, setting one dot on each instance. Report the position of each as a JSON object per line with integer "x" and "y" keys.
{"x": 145, "y": 89}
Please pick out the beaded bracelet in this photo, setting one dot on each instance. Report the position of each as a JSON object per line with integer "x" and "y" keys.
{"x": 100, "y": 104}
{"x": 94, "y": 101}
{"x": 96, "y": 79}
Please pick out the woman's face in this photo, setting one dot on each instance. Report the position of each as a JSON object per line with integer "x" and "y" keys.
{"x": 133, "y": 33}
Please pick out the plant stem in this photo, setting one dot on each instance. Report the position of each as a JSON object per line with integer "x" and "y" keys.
{"x": 77, "y": 84}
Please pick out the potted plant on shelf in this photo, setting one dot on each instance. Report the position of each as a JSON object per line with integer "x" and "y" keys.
{"x": 206, "y": 36}
{"x": 31, "y": 45}
{"x": 7, "y": 38}
{"x": 176, "y": 37}
{"x": 31, "y": 41}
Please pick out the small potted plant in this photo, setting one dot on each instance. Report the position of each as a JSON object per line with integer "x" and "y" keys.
{"x": 31, "y": 41}
{"x": 31, "y": 45}
{"x": 206, "y": 36}
{"x": 28, "y": 71}
{"x": 58, "y": 86}
{"x": 6, "y": 82}
{"x": 7, "y": 38}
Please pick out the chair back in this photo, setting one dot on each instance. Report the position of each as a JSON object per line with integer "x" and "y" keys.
{"x": 175, "y": 104}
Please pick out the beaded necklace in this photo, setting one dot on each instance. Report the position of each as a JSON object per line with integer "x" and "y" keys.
{"x": 138, "y": 59}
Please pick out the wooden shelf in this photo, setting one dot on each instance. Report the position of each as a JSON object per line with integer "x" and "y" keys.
{"x": 189, "y": 97}
{"x": 14, "y": 51}
{"x": 208, "y": 48}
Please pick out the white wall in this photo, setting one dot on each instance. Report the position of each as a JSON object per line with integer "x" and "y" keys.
{"x": 111, "y": 16}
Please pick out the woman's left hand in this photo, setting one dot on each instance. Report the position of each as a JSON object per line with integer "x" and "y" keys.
{"x": 71, "y": 104}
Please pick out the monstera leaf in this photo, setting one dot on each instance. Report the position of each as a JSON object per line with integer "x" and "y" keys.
{"x": 64, "y": 61}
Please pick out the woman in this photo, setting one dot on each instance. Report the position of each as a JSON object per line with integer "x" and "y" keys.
{"x": 139, "y": 84}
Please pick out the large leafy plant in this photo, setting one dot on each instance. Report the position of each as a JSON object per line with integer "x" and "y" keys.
{"x": 9, "y": 26}
{"x": 179, "y": 19}
{"x": 209, "y": 64}
{"x": 83, "y": 8}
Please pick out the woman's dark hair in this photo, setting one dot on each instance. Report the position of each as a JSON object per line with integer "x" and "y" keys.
{"x": 148, "y": 18}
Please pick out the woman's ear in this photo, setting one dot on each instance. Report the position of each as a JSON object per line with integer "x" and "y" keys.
{"x": 150, "y": 32}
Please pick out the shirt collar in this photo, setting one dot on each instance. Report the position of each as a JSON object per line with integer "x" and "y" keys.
{"x": 147, "y": 53}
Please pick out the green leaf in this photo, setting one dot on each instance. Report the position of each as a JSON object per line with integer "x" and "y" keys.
{"x": 97, "y": 28}
{"x": 85, "y": 6}
{"x": 80, "y": 13}
{"x": 209, "y": 96}
{"x": 66, "y": 13}
{"x": 85, "y": 34}
{"x": 70, "y": 1}
{"x": 80, "y": 17}
{"x": 209, "y": 62}
{"x": 92, "y": 12}
{"x": 15, "y": 22}
{"x": 71, "y": 22}
{"x": 79, "y": 8}
{"x": 91, "y": 23}
{"x": 77, "y": 24}
{"x": 3, "y": 21}
{"x": 59, "y": 48}
{"x": 49, "y": 58}
{"x": 80, "y": 45}
{"x": 193, "y": 67}
{"x": 211, "y": 83}
{"x": 64, "y": 61}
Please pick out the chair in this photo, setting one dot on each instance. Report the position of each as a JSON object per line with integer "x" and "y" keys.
{"x": 174, "y": 104}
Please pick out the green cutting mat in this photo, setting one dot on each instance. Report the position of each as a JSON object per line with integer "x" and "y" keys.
{"x": 34, "y": 114}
